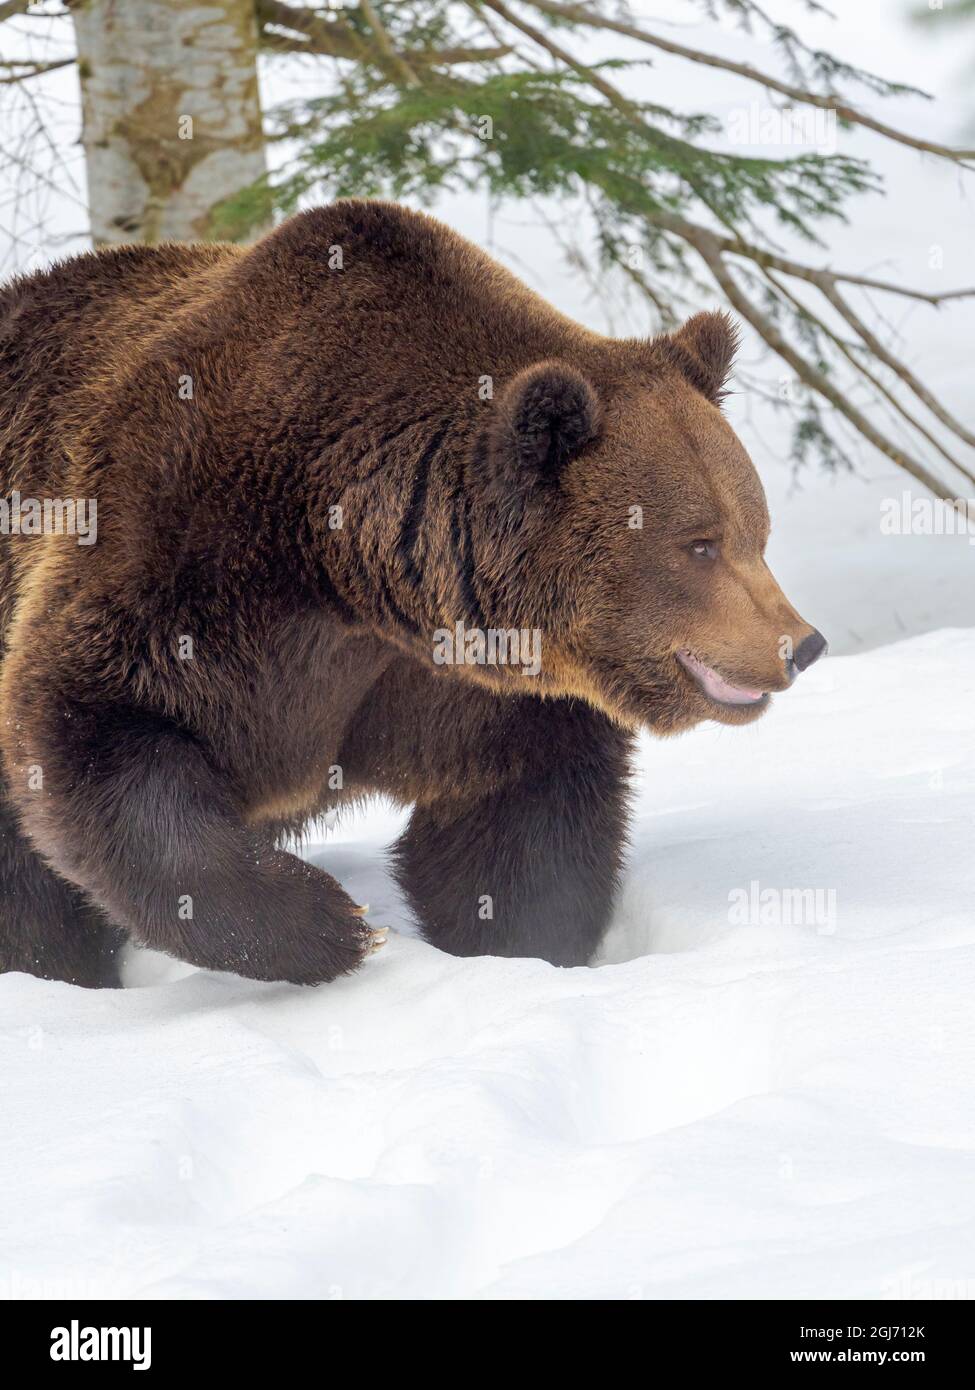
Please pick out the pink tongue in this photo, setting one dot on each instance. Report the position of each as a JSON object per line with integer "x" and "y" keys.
{"x": 717, "y": 687}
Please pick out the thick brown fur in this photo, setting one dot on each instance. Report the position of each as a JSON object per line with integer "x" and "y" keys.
{"x": 491, "y": 461}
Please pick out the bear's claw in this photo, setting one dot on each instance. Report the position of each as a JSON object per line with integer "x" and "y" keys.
{"x": 378, "y": 940}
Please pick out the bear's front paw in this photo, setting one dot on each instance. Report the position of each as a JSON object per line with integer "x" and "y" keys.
{"x": 341, "y": 940}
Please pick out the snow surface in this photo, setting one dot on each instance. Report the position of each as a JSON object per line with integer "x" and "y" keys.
{"x": 721, "y": 1109}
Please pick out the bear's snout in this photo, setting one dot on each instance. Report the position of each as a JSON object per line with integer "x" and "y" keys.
{"x": 810, "y": 649}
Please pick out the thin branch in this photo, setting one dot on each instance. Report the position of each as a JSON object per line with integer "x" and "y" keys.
{"x": 874, "y": 380}
{"x": 581, "y": 15}
{"x": 735, "y": 246}
{"x": 336, "y": 39}
{"x": 707, "y": 245}
{"x": 561, "y": 55}
{"x": 397, "y": 65}
{"x": 668, "y": 319}
{"x": 33, "y": 70}
{"x": 874, "y": 344}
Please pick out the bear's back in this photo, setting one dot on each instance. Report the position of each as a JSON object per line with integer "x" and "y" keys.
{"x": 65, "y": 328}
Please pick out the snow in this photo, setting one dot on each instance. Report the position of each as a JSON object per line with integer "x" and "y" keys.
{"x": 719, "y": 1109}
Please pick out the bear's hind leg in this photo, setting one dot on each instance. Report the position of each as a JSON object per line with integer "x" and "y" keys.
{"x": 47, "y": 928}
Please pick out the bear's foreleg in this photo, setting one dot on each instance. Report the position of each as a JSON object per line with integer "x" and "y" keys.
{"x": 134, "y": 813}
{"x": 530, "y": 870}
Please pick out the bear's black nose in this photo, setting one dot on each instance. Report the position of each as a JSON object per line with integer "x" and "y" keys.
{"x": 810, "y": 649}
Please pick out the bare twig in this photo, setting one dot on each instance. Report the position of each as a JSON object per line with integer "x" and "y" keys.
{"x": 561, "y": 55}
{"x": 32, "y": 70}
{"x": 335, "y": 38}
{"x": 875, "y": 381}
{"x": 582, "y": 15}
{"x": 707, "y": 245}
{"x": 871, "y": 341}
{"x": 394, "y": 62}
{"x": 736, "y": 246}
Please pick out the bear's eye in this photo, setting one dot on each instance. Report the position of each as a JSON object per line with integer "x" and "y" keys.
{"x": 708, "y": 550}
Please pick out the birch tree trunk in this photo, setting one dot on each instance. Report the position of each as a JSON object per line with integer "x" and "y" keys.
{"x": 171, "y": 114}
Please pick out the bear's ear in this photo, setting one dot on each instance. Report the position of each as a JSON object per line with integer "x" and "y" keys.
{"x": 541, "y": 420}
{"x": 704, "y": 351}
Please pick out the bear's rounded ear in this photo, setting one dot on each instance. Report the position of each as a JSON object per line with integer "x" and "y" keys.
{"x": 704, "y": 351}
{"x": 541, "y": 420}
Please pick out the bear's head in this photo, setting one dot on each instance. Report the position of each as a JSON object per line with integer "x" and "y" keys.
{"x": 622, "y": 510}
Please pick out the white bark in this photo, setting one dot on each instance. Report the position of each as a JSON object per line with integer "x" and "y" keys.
{"x": 171, "y": 113}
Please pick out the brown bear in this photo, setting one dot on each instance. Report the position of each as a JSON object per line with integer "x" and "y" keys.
{"x": 372, "y": 518}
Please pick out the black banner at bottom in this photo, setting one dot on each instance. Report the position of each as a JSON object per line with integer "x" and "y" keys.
{"x": 165, "y": 1340}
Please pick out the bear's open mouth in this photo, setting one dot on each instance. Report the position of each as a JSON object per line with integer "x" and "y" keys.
{"x": 714, "y": 685}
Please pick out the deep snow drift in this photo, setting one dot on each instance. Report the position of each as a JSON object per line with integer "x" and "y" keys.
{"x": 737, "y": 1106}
